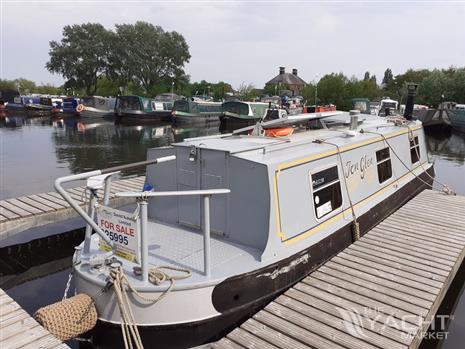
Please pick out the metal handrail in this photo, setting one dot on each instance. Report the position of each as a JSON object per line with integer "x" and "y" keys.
{"x": 206, "y": 194}
{"x": 86, "y": 216}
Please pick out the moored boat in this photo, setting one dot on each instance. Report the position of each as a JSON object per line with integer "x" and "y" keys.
{"x": 40, "y": 106}
{"x": 457, "y": 117}
{"x": 195, "y": 110}
{"x": 239, "y": 113}
{"x": 239, "y": 218}
{"x": 131, "y": 108}
{"x": 434, "y": 116}
{"x": 69, "y": 105}
{"x": 10, "y": 100}
{"x": 96, "y": 107}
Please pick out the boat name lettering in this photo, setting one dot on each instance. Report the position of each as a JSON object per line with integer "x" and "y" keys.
{"x": 360, "y": 166}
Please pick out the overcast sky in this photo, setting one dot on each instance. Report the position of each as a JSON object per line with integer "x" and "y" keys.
{"x": 246, "y": 41}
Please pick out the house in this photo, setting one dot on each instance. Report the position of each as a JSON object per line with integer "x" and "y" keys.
{"x": 289, "y": 81}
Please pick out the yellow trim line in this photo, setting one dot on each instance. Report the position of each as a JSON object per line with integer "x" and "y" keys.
{"x": 333, "y": 219}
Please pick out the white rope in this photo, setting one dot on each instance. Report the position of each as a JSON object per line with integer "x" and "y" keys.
{"x": 120, "y": 282}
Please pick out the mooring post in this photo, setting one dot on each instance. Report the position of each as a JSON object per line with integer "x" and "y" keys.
{"x": 144, "y": 255}
{"x": 206, "y": 235}
{"x": 91, "y": 213}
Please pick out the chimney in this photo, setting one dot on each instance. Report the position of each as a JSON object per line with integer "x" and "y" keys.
{"x": 282, "y": 70}
{"x": 294, "y": 72}
{"x": 411, "y": 93}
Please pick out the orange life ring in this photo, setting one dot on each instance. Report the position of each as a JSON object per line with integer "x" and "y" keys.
{"x": 279, "y": 132}
{"x": 80, "y": 108}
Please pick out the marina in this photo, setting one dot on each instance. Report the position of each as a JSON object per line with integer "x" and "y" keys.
{"x": 164, "y": 135}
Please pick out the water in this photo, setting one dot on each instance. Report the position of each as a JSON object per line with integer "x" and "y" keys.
{"x": 35, "y": 151}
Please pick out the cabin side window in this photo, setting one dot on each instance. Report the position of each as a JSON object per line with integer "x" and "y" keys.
{"x": 327, "y": 195}
{"x": 414, "y": 149}
{"x": 383, "y": 161}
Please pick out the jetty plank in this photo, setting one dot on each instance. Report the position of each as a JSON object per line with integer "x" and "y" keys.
{"x": 15, "y": 209}
{"x": 22, "y": 213}
{"x": 399, "y": 270}
{"x": 19, "y": 330}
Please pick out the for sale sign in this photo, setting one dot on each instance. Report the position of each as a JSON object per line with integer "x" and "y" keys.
{"x": 122, "y": 229}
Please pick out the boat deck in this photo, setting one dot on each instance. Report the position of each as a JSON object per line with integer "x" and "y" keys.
{"x": 380, "y": 292}
{"x": 22, "y": 213}
{"x": 19, "y": 330}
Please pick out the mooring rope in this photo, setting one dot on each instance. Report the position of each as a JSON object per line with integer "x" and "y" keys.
{"x": 120, "y": 282}
{"x": 445, "y": 188}
{"x": 355, "y": 223}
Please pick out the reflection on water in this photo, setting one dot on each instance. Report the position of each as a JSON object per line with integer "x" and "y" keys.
{"x": 35, "y": 151}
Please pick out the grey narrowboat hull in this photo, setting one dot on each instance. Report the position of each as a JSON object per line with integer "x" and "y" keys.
{"x": 128, "y": 115}
{"x": 237, "y": 298}
{"x": 457, "y": 119}
{"x": 190, "y": 118}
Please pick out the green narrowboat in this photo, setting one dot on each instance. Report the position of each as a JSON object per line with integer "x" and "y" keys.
{"x": 457, "y": 117}
{"x": 142, "y": 108}
{"x": 195, "y": 110}
{"x": 238, "y": 113}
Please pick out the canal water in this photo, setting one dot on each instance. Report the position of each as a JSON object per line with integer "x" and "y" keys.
{"x": 35, "y": 151}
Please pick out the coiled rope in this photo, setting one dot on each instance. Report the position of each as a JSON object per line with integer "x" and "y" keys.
{"x": 120, "y": 282}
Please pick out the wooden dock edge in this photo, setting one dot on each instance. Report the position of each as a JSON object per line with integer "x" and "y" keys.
{"x": 20, "y": 214}
{"x": 19, "y": 330}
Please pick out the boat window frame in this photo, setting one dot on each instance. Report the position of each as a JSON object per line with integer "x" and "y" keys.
{"x": 416, "y": 144}
{"x": 382, "y": 161}
{"x": 336, "y": 210}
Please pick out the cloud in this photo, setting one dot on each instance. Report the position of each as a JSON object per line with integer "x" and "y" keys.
{"x": 247, "y": 41}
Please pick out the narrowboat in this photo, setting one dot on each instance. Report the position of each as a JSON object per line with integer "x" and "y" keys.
{"x": 362, "y": 104}
{"x": 239, "y": 113}
{"x": 457, "y": 117}
{"x": 96, "y": 107}
{"x": 10, "y": 100}
{"x": 238, "y": 218}
{"x": 434, "y": 116}
{"x": 195, "y": 110}
{"x": 387, "y": 106}
{"x": 40, "y": 106}
{"x": 69, "y": 105}
{"x": 143, "y": 109}
{"x": 163, "y": 105}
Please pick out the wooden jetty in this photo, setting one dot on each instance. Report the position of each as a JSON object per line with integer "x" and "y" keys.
{"x": 381, "y": 292}
{"x": 19, "y": 214}
{"x": 19, "y": 330}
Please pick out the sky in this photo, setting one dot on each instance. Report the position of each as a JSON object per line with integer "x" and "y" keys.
{"x": 246, "y": 41}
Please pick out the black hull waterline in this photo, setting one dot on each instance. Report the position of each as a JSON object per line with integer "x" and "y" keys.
{"x": 237, "y": 298}
{"x": 144, "y": 116}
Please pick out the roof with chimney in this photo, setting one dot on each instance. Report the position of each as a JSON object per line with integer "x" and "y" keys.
{"x": 287, "y": 78}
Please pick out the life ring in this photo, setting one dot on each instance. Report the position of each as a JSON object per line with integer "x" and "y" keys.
{"x": 80, "y": 108}
{"x": 279, "y": 132}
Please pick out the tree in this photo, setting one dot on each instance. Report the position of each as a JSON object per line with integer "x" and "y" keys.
{"x": 81, "y": 56}
{"x": 388, "y": 77}
{"x": 147, "y": 55}
{"x": 247, "y": 91}
{"x": 367, "y": 76}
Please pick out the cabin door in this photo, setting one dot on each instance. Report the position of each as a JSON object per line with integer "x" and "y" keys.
{"x": 213, "y": 170}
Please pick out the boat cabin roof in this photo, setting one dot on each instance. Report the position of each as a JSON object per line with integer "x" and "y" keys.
{"x": 270, "y": 150}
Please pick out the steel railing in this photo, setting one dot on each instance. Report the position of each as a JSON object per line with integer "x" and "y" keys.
{"x": 102, "y": 178}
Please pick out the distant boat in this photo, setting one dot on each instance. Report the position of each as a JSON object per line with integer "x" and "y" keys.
{"x": 193, "y": 110}
{"x": 96, "y": 106}
{"x": 163, "y": 105}
{"x": 10, "y": 100}
{"x": 69, "y": 106}
{"x": 243, "y": 113}
{"x": 40, "y": 105}
{"x": 386, "y": 104}
{"x": 457, "y": 117}
{"x": 142, "y": 108}
{"x": 362, "y": 104}
{"x": 433, "y": 116}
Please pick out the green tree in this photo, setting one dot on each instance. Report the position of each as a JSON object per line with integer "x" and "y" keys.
{"x": 247, "y": 91}
{"x": 388, "y": 77}
{"x": 25, "y": 86}
{"x": 147, "y": 55}
{"x": 367, "y": 76}
{"x": 436, "y": 85}
{"x": 332, "y": 88}
{"x": 81, "y": 56}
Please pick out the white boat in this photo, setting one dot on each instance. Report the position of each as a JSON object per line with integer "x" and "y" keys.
{"x": 96, "y": 106}
{"x": 244, "y": 216}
